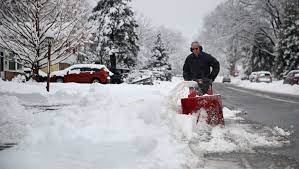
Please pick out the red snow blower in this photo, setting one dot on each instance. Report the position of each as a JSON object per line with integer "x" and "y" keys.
{"x": 210, "y": 102}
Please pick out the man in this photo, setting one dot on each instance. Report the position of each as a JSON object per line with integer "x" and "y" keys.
{"x": 197, "y": 67}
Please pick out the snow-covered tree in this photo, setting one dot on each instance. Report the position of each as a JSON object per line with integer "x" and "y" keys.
{"x": 260, "y": 58}
{"x": 115, "y": 32}
{"x": 288, "y": 45}
{"x": 146, "y": 39}
{"x": 226, "y": 32}
{"x": 174, "y": 42}
{"x": 244, "y": 31}
{"x": 160, "y": 54}
{"x": 177, "y": 47}
{"x": 25, "y": 24}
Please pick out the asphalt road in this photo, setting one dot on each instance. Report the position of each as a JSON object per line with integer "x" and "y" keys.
{"x": 266, "y": 108}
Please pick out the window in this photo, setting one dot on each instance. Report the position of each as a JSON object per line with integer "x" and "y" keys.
{"x": 19, "y": 66}
{"x": 12, "y": 65}
{"x": 95, "y": 70}
{"x": 85, "y": 69}
{"x": 74, "y": 71}
{"x": 290, "y": 74}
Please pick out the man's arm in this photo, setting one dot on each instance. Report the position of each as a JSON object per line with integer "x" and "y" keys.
{"x": 186, "y": 71}
{"x": 215, "y": 68}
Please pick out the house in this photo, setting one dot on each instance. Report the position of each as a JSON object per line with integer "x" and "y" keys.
{"x": 55, "y": 67}
{"x": 10, "y": 66}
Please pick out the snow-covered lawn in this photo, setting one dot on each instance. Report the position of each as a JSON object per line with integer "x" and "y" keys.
{"x": 275, "y": 86}
{"x": 95, "y": 126}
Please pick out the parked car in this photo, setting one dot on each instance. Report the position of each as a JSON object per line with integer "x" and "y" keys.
{"x": 263, "y": 76}
{"x": 83, "y": 73}
{"x": 226, "y": 78}
{"x": 252, "y": 76}
{"x": 292, "y": 77}
{"x": 244, "y": 77}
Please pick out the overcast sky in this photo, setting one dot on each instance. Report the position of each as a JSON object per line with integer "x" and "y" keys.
{"x": 183, "y": 15}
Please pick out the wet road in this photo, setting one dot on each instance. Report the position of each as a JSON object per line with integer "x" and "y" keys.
{"x": 266, "y": 108}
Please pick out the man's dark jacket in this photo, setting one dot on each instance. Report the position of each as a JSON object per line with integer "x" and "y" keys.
{"x": 198, "y": 67}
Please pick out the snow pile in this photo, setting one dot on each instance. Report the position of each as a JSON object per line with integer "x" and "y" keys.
{"x": 109, "y": 127}
{"x": 19, "y": 79}
{"x": 116, "y": 126}
{"x": 14, "y": 120}
{"x": 232, "y": 137}
{"x": 275, "y": 86}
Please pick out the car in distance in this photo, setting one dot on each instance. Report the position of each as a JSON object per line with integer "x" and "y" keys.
{"x": 226, "y": 78}
{"x": 292, "y": 77}
{"x": 263, "y": 76}
{"x": 244, "y": 77}
{"x": 83, "y": 73}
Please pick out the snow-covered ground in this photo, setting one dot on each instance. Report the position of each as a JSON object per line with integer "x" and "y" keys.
{"x": 275, "y": 86}
{"x": 95, "y": 126}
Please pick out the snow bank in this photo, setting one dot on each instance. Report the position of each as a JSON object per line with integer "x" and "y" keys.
{"x": 14, "y": 120}
{"x": 275, "y": 86}
{"x": 115, "y": 126}
{"x": 110, "y": 126}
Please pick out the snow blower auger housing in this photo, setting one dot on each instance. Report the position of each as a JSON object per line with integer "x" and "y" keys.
{"x": 210, "y": 102}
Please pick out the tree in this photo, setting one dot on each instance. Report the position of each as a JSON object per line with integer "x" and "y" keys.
{"x": 27, "y": 23}
{"x": 260, "y": 58}
{"x": 174, "y": 42}
{"x": 288, "y": 43}
{"x": 160, "y": 54}
{"x": 146, "y": 40}
{"x": 115, "y": 32}
{"x": 244, "y": 31}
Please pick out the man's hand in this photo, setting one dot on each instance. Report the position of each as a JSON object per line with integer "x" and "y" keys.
{"x": 199, "y": 81}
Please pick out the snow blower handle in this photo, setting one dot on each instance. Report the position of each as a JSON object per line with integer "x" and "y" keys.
{"x": 204, "y": 86}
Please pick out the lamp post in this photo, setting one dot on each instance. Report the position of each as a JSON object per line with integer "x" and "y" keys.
{"x": 49, "y": 40}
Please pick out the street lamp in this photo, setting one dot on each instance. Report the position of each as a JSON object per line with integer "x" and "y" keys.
{"x": 49, "y": 40}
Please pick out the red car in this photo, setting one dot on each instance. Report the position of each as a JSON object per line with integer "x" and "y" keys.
{"x": 292, "y": 77}
{"x": 83, "y": 73}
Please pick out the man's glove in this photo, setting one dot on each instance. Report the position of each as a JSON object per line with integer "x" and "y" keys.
{"x": 208, "y": 81}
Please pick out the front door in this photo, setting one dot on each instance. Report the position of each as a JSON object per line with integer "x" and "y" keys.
{"x": 85, "y": 75}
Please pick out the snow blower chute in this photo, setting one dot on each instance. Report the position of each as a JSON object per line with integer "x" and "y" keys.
{"x": 210, "y": 102}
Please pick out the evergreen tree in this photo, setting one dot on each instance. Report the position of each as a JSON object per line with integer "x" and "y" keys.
{"x": 160, "y": 54}
{"x": 287, "y": 49}
{"x": 115, "y": 33}
{"x": 261, "y": 59}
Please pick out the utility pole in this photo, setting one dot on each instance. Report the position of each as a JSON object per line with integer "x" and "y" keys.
{"x": 49, "y": 40}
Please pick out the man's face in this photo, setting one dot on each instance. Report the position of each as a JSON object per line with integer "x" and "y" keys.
{"x": 195, "y": 48}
